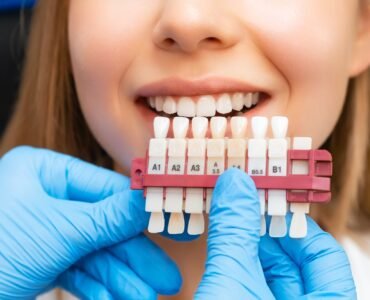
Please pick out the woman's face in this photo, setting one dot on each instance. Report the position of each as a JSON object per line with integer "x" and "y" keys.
{"x": 298, "y": 54}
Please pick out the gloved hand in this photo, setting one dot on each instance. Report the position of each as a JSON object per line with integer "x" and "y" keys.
{"x": 240, "y": 265}
{"x": 57, "y": 213}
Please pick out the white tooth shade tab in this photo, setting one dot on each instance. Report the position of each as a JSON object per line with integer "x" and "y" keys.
{"x": 223, "y": 104}
{"x": 186, "y": 107}
{"x": 298, "y": 225}
{"x": 279, "y": 127}
{"x": 180, "y": 127}
{"x": 277, "y": 199}
{"x": 259, "y": 127}
{"x": 161, "y": 126}
{"x": 218, "y": 127}
{"x": 236, "y": 146}
{"x": 176, "y": 166}
{"x": 238, "y": 127}
{"x": 156, "y": 165}
{"x": 257, "y": 147}
{"x": 169, "y": 105}
{"x": 206, "y": 106}
{"x": 199, "y": 126}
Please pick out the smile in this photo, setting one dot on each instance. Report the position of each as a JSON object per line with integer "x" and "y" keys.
{"x": 202, "y": 98}
{"x": 204, "y": 105}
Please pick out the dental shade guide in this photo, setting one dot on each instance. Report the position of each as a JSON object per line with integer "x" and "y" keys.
{"x": 179, "y": 173}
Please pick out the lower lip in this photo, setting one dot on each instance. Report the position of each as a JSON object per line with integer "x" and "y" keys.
{"x": 149, "y": 114}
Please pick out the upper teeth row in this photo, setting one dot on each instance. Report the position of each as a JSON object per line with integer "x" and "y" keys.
{"x": 206, "y": 106}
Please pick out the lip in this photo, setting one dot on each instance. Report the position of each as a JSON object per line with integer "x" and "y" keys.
{"x": 176, "y": 86}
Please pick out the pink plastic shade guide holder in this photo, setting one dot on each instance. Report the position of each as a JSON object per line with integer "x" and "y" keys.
{"x": 311, "y": 188}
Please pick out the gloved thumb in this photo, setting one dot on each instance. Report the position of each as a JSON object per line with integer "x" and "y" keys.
{"x": 233, "y": 269}
{"x": 234, "y": 221}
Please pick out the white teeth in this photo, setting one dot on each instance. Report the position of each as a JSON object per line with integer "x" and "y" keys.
{"x": 279, "y": 127}
{"x": 259, "y": 127}
{"x": 237, "y": 101}
{"x": 180, "y": 127}
{"x": 206, "y": 106}
{"x": 224, "y": 105}
{"x": 159, "y": 103}
{"x": 161, "y": 126}
{"x": 169, "y": 105}
{"x": 238, "y": 127}
{"x": 255, "y": 98}
{"x": 151, "y": 102}
{"x": 186, "y": 107}
{"x": 218, "y": 127}
{"x": 248, "y": 100}
{"x": 199, "y": 127}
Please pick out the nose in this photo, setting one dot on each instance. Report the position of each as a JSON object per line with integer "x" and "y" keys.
{"x": 191, "y": 25}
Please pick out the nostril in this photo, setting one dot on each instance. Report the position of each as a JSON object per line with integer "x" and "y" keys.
{"x": 213, "y": 40}
{"x": 168, "y": 42}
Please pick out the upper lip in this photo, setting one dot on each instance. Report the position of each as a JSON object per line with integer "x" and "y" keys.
{"x": 176, "y": 86}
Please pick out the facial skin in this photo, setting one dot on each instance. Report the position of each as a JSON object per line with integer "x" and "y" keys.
{"x": 301, "y": 52}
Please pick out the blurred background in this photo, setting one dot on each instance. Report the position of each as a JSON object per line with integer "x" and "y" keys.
{"x": 14, "y": 24}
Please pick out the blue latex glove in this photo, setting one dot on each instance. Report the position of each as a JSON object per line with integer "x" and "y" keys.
{"x": 240, "y": 265}
{"x": 58, "y": 217}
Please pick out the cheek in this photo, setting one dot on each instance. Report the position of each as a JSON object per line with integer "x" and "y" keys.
{"x": 102, "y": 42}
{"x": 309, "y": 43}
{"x": 102, "y": 47}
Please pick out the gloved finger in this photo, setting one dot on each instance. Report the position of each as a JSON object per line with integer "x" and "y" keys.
{"x": 282, "y": 274}
{"x": 233, "y": 267}
{"x": 66, "y": 177}
{"x": 104, "y": 223}
{"x": 234, "y": 215}
{"x": 82, "y": 285}
{"x": 323, "y": 263}
{"x": 150, "y": 263}
{"x": 116, "y": 276}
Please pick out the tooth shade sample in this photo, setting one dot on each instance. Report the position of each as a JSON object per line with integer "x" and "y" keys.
{"x": 199, "y": 127}
{"x": 223, "y": 104}
{"x": 161, "y": 126}
{"x": 279, "y": 127}
{"x": 180, "y": 127}
{"x": 259, "y": 127}
{"x": 218, "y": 127}
{"x": 298, "y": 225}
{"x": 159, "y": 103}
{"x": 186, "y": 107}
{"x": 237, "y": 101}
{"x": 248, "y": 100}
{"x": 206, "y": 106}
{"x": 169, "y": 105}
{"x": 238, "y": 127}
